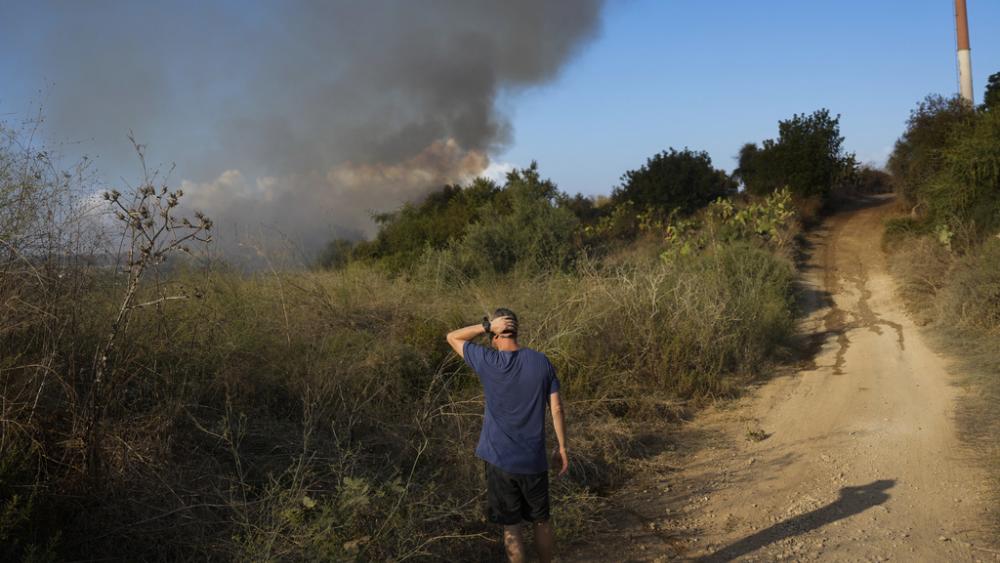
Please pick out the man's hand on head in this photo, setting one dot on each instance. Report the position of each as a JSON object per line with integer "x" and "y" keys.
{"x": 503, "y": 324}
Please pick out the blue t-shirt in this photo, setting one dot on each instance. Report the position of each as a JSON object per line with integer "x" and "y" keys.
{"x": 517, "y": 386}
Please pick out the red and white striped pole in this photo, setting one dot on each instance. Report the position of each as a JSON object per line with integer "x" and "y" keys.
{"x": 964, "y": 57}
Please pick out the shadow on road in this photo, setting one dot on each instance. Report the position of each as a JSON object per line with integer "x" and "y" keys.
{"x": 853, "y": 500}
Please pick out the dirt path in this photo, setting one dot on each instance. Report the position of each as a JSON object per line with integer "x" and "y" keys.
{"x": 854, "y": 458}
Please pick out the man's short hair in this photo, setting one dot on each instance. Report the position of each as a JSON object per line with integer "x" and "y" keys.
{"x": 505, "y": 312}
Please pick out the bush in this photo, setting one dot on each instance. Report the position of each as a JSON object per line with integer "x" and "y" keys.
{"x": 964, "y": 193}
{"x": 681, "y": 181}
{"x": 336, "y": 254}
{"x": 442, "y": 217}
{"x": 771, "y": 222}
{"x": 947, "y": 166}
{"x": 476, "y": 230}
{"x": 531, "y": 231}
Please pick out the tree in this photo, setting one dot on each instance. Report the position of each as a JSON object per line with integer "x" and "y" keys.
{"x": 808, "y": 157}
{"x": 916, "y": 156}
{"x": 527, "y": 223}
{"x": 674, "y": 180}
{"x": 441, "y": 217}
{"x": 991, "y": 98}
{"x": 524, "y": 226}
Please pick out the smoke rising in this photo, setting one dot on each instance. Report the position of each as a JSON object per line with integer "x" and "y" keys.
{"x": 303, "y": 116}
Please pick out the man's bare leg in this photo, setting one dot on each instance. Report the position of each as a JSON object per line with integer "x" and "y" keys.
{"x": 545, "y": 541}
{"x": 514, "y": 543}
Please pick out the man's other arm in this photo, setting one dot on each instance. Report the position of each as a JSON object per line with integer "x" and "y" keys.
{"x": 561, "y": 456}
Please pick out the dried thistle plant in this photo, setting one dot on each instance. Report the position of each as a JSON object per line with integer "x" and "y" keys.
{"x": 153, "y": 228}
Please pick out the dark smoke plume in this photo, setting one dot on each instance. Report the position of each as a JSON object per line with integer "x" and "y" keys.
{"x": 302, "y": 116}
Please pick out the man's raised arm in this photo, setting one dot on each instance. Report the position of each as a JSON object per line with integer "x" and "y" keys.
{"x": 457, "y": 338}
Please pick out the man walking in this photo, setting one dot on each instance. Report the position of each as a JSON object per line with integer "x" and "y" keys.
{"x": 518, "y": 383}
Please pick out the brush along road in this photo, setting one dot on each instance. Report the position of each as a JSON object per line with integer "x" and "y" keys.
{"x": 853, "y": 458}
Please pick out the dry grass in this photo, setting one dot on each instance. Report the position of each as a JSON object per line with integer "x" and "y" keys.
{"x": 922, "y": 266}
{"x": 321, "y": 415}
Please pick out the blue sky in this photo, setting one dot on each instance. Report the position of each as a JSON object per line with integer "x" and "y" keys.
{"x": 711, "y": 76}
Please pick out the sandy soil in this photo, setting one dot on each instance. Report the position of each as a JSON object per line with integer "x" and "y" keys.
{"x": 854, "y": 457}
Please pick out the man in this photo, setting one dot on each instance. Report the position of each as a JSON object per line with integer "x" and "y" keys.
{"x": 518, "y": 383}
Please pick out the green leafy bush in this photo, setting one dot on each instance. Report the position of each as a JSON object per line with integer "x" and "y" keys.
{"x": 682, "y": 181}
{"x": 531, "y": 231}
{"x": 443, "y": 216}
{"x": 964, "y": 194}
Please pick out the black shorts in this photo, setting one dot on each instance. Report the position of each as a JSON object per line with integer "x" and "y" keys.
{"x": 513, "y": 497}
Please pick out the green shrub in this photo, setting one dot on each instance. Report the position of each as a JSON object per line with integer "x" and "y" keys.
{"x": 477, "y": 230}
{"x": 991, "y": 96}
{"x": 682, "y": 181}
{"x": 443, "y": 216}
{"x": 531, "y": 231}
{"x": 964, "y": 194}
{"x": 770, "y": 221}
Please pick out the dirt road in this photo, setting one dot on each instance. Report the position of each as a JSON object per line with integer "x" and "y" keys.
{"x": 853, "y": 458}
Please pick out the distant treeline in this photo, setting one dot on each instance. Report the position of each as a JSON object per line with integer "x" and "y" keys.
{"x": 528, "y": 223}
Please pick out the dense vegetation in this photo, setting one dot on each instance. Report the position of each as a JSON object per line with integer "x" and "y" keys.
{"x": 946, "y": 250}
{"x": 164, "y": 406}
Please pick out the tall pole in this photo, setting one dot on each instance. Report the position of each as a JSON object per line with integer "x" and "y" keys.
{"x": 964, "y": 57}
